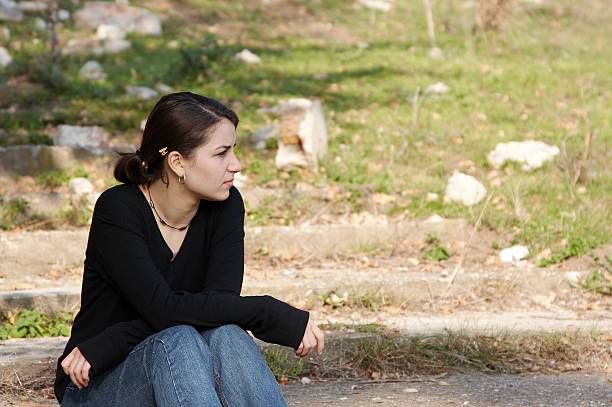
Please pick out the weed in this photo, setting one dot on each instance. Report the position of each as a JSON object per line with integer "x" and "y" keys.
{"x": 576, "y": 246}
{"x": 53, "y": 179}
{"x": 438, "y": 253}
{"x": 30, "y": 323}
{"x": 12, "y": 212}
{"x": 282, "y": 365}
{"x": 599, "y": 282}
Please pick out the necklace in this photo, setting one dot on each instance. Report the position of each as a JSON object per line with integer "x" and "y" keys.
{"x": 163, "y": 222}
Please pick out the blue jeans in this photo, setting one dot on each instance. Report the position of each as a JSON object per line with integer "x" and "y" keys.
{"x": 180, "y": 366}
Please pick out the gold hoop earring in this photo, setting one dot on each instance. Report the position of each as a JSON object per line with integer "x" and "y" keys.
{"x": 182, "y": 179}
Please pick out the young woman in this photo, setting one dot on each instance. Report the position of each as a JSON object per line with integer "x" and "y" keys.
{"x": 162, "y": 322}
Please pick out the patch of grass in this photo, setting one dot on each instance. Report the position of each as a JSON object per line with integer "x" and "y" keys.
{"x": 53, "y": 179}
{"x": 31, "y": 323}
{"x": 438, "y": 253}
{"x": 598, "y": 282}
{"x": 370, "y": 300}
{"x": 282, "y": 365}
{"x": 576, "y": 246}
{"x": 13, "y": 212}
{"x": 362, "y": 328}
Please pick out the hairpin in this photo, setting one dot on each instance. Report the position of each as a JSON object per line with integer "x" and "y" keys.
{"x": 163, "y": 151}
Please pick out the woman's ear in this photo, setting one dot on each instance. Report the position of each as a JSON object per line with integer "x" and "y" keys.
{"x": 175, "y": 163}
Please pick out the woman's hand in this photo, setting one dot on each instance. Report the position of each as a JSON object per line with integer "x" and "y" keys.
{"x": 313, "y": 338}
{"x": 77, "y": 367}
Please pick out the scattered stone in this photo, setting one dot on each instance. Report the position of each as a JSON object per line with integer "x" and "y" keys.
{"x": 141, "y": 92}
{"x": 514, "y": 253}
{"x": 435, "y": 218}
{"x": 240, "y": 180}
{"x": 63, "y": 15}
{"x": 383, "y": 199}
{"x": 436, "y": 53}
{"x": 92, "y": 70}
{"x": 34, "y": 159}
{"x": 572, "y": 276}
{"x": 437, "y": 88}
{"x": 581, "y": 190}
{"x": 32, "y": 6}
{"x": 40, "y": 24}
{"x": 163, "y": 88}
{"x": 5, "y": 58}
{"x": 377, "y": 400}
{"x": 305, "y": 380}
{"x": 464, "y": 189}
{"x": 413, "y": 261}
{"x": 378, "y": 5}
{"x": 410, "y": 390}
{"x": 9, "y": 11}
{"x": 261, "y": 136}
{"x": 128, "y": 18}
{"x": 95, "y": 46}
{"x": 303, "y": 137}
{"x": 531, "y": 154}
{"x": 432, "y": 197}
{"x": 110, "y": 32}
{"x": 80, "y": 186}
{"x": 248, "y": 57}
{"x": 92, "y": 139}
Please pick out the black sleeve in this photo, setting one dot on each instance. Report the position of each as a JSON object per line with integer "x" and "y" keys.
{"x": 127, "y": 265}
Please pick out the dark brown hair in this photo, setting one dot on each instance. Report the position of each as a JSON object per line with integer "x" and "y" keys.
{"x": 180, "y": 122}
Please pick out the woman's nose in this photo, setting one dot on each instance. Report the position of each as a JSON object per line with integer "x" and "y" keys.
{"x": 235, "y": 166}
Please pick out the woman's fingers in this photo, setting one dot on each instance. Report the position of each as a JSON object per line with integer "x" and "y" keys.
{"x": 67, "y": 362}
{"x": 320, "y": 339}
{"x": 75, "y": 373}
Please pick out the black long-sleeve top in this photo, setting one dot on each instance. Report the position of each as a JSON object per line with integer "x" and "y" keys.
{"x": 133, "y": 288}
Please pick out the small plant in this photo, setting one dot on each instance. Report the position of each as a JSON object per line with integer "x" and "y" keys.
{"x": 599, "y": 282}
{"x": 284, "y": 367}
{"x": 29, "y": 323}
{"x": 53, "y": 179}
{"x": 576, "y": 246}
{"x": 438, "y": 253}
{"x": 12, "y": 212}
{"x": 432, "y": 238}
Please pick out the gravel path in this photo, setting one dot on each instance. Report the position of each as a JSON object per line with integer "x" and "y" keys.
{"x": 470, "y": 389}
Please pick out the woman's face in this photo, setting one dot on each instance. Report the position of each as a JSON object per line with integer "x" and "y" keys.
{"x": 210, "y": 171}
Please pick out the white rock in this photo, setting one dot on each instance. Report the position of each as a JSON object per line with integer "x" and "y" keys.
{"x": 530, "y": 154}
{"x": 378, "y": 5}
{"x": 434, "y": 219}
{"x": 5, "y": 57}
{"x": 128, "y": 18}
{"x": 80, "y": 186}
{"x": 572, "y": 276}
{"x": 410, "y": 390}
{"x": 163, "y": 88}
{"x": 9, "y": 11}
{"x": 110, "y": 32}
{"x": 93, "y": 139}
{"x": 112, "y": 46}
{"x": 465, "y": 189}
{"x": 92, "y": 70}
{"x": 438, "y": 88}
{"x": 40, "y": 24}
{"x": 432, "y": 197}
{"x": 32, "y": 6}
{"x": 240, "y": 180}
{"x": 514, "y": 253}
{"x": 377, "y": 400}
{"x": 435, "y": 53}
{"x": 247, "y": 56}
{"x": 302, "y": 118}
{"x": 305, "y": 380}
{"x": 413, "y": 261}
{"x": 141, "y": 92}
{"x": 63, "y": 15}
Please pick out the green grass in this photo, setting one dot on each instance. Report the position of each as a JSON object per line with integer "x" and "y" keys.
{"x": 545, "y": 76}
{"x": 31, "y": 323}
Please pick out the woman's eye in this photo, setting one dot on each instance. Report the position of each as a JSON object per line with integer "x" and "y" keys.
{"x": 222, "y": 153}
